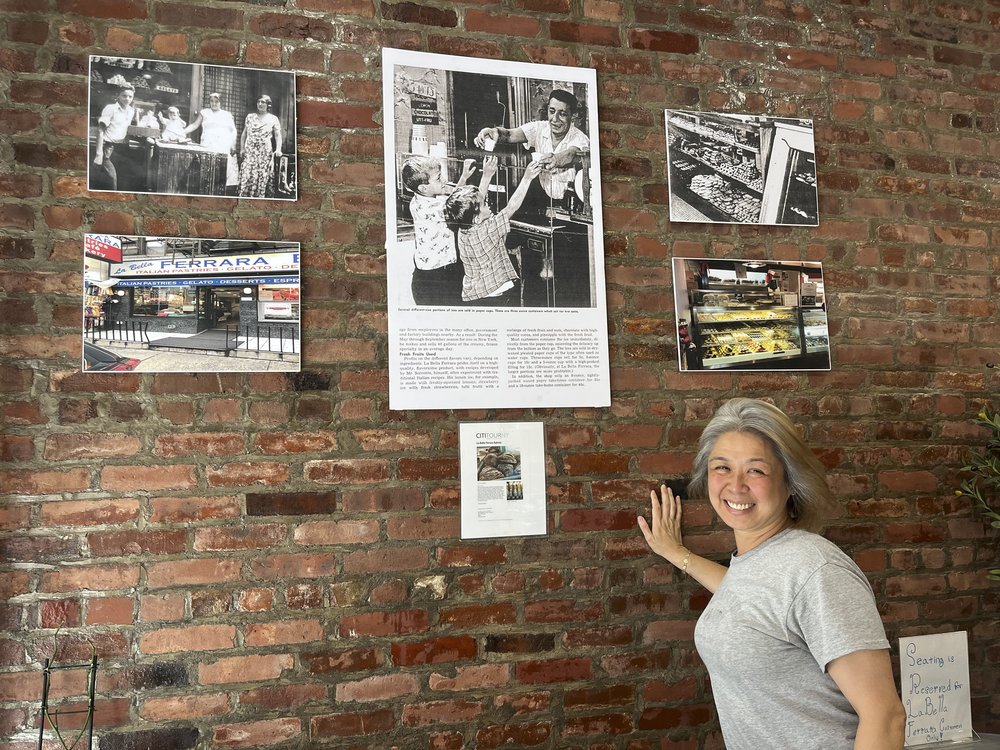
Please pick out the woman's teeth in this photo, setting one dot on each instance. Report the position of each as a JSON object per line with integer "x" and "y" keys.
{"x": 739, "y": 506}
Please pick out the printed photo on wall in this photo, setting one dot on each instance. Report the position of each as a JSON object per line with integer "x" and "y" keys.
{"x": 493, "y": 205}
{"x": 740, "y": 169}
{"x": 179, "y": 304}
{"x": 503, "y": 479}
{"x": 190, "y": 129}
{"x": 750, "y": 315}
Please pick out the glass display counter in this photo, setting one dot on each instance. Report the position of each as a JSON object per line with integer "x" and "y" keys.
{"x": 729, "y": 336}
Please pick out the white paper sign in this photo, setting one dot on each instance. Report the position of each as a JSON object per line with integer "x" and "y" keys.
{"x": 503, "y": 479}
{"x": 934, "y": 676}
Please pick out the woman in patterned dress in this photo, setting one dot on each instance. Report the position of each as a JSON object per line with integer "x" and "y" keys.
{"x": 260, "y": 145}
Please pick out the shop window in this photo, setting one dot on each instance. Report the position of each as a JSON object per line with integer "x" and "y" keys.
{"x": 163, "y": 301}
{"x": 278, "y": 302}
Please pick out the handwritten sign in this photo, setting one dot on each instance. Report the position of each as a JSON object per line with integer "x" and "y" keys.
{"x": 934, "y": 686}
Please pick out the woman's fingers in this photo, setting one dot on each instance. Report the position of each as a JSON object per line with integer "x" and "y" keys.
{"x": 646, "y": 531}
{"x": 655, "y": 511}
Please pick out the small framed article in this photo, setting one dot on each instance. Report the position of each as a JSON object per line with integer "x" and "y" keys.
{"x": 503, "y": 479}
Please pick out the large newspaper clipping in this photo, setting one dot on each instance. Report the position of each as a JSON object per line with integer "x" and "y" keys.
{"x": 503, "y": 479}
{"x": 494, "y": 247}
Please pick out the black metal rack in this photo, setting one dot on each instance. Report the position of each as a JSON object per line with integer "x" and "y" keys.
{"x": 51, "y": 717}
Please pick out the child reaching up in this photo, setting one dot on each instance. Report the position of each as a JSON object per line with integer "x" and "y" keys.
{"x": 173, "y": 126}
{"x": 437, "y": 274}
{"x": 489, "y": 274}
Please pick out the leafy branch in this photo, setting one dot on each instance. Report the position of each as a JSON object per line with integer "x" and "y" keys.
{"x": 983, "y": 487}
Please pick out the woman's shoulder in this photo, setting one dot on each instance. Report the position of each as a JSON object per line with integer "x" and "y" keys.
{"x": 811, "y": 547}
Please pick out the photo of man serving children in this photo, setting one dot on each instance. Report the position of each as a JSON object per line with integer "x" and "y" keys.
{"x": 495, "y": 186}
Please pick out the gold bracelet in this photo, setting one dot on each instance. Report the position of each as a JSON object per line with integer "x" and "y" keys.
{"x": 685, "y": 561}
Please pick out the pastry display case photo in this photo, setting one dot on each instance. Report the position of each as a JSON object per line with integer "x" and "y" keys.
{"x": 736, "y": 169}
{"x": 750, "y": 315}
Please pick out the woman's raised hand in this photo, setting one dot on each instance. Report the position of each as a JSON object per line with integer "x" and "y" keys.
{"x": 663, "y": 531}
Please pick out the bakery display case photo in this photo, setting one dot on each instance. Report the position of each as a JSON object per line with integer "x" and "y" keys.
{"x": 750, "y": 315}
{"x": 738, "y": 169}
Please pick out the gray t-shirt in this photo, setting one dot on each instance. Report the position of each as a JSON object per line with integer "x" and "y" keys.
{"x": 784, "y": 611}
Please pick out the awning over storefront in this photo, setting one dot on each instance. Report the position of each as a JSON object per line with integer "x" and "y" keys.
{"x": 211, "y": 281}
{"x": 102, "y": 283}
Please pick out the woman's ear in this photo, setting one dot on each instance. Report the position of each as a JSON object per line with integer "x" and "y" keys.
{"x": 793, "y": 508}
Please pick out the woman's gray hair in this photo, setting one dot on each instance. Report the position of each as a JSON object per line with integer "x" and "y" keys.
{"x": 811, "y": 500}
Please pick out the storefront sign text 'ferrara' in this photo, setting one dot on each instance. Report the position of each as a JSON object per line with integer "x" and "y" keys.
{"x": 103, "y": 246}
{"x": 192, "y": 266}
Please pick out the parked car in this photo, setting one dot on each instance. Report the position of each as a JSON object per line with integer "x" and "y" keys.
{"x": 97, "y": 358}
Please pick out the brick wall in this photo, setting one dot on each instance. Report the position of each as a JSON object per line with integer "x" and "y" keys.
{"x": 271, "y": 561}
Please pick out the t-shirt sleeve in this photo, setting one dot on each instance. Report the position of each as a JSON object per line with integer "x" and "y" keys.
{"x": 835, "y": 614}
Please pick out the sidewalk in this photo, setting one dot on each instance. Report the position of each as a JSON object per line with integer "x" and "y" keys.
{"x": 162, "y": 360}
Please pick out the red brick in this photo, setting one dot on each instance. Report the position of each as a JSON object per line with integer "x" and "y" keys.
{"x": 337, "y": 532}
{"x": 69, "y": 446}
{"x": 444, "y": 712}
{"x": 251, "y": 668}
{"x": 198, "y": 443}
{"x": 506, "y": 24}
{"x": 251, "y": 536}
{"x": 294, "y": 566}
{"x": 385, "y": 559}
{"x": 189, "y": 638}
{"x": 253, "y": 734}
{"x": 334, "y": 115}
{"x": 124, "y": 543}
{"x": 188, "y": 706}
{"x": 247, "y": 474}
{"x": 278, "y": 633}
{"x": 24, "y": 482}
{"x": 188, "y": 509}
{"x": 353, "y": 724}
{"x": 415, "y": 13}
{"x": 273, "y": 443}
{"x": 192, "y": 572}
{"x": 807, "y": 59}
{"x": 479, "y": 615}
{"x": 664, "y": 41}
{"x": 147, "y": 478}
{"x": 347, "y": 471}
{"x": 110, "y": 611}
{"x": 384, "y": 623}
{"x": 91, "y": 578}
{"x": 283, "y": 697}
{"x": 553, "y": 671}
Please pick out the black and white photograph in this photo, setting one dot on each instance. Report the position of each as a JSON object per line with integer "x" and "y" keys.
{"x": 157, "y": 126}
{"x": 493, "y": 216}
{"x": 750, "y": 315}
{"x": 493, "y": 187}
{"x": 181, "y": 304}
{"x": 741, "y": 169}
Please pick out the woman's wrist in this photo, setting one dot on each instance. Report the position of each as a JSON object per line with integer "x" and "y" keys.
{"x": 685, "y": 560}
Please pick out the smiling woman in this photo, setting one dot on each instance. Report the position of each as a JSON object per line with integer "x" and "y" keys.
{"x": 792, "y": 637}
